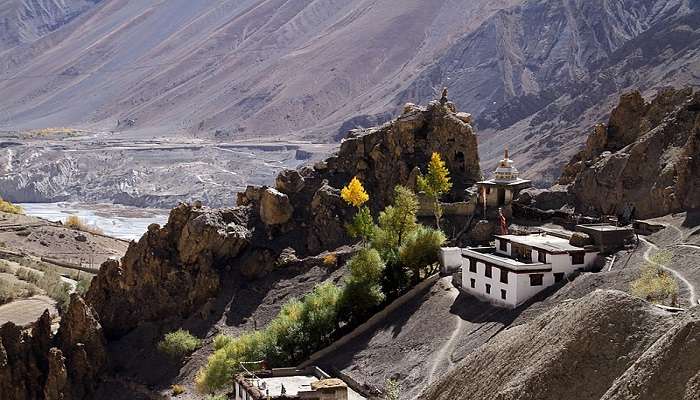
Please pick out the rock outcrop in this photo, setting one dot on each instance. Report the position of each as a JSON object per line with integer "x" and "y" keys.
{"x": 606, "y": 345}
{"x": 645, "y": 162}
{"x": 171, "y": 271}
{"x": 35, "y": 364}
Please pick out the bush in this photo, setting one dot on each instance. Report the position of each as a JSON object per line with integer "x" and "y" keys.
{"x": 179, "y": 344}
{"x": 221, "y": 340}
{"x": 421, "y": 250}
{"x": 77, "y": 223}
{"x": 15, "y": 290}
{"x": 217, "y": 397}
{"x": 177, "y": 390}
{"x": 83, "y": 285}
{"x": 655, "y": 285}
{"x": 28, "y": 275}
{"x": 330, "y": 260}
{"x": 6, "y": 206}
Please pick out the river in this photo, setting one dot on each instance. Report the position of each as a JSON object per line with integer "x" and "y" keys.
{"x": 118, "y": 221}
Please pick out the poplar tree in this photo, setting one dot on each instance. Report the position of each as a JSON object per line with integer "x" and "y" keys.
{"x": 435, "y": 183}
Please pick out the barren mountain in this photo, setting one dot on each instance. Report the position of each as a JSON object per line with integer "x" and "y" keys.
{"x": 535, "y": 73}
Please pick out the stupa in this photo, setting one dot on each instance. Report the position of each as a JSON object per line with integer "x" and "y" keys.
{"x": 500, "y": 190}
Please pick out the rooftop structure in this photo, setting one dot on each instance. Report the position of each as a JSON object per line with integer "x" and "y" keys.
{"x": 289, "y": 384}
{"x": 504, "y": 186}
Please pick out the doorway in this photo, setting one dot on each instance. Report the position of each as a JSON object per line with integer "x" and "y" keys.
{"x": 501, "y": 196}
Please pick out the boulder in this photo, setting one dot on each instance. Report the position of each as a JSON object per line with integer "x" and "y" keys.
{"x": 275, "y": 207}
{"x": 580, "y": 239}
{"x": 289, "y": 181}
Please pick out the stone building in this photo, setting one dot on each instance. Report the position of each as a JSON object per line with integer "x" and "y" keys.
{"x": 505, "y": 185}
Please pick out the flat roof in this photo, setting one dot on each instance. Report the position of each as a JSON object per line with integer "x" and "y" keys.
{"x": 510, "y": 263}
{"x": 292, "y": 384}
{"x": 604, "y": 227}
{"x": 550, "y": 243}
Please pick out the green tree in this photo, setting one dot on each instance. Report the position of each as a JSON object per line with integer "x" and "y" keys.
{"x": 395, "y": 223}
{"x": 420, "y": 250}
{"x": 435, "y": 184}
{"x": 363, "y": 290}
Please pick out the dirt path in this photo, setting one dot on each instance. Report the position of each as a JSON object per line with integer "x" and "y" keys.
{"x": 444, "y": 355}
{"x": 25, "y": 311}
{"x": 691, "y": 289}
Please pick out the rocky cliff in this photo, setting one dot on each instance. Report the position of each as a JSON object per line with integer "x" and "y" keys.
{"x": 607, "y": 345}
{"x": 644, "y": 161}
{"x": 36, "y": 364}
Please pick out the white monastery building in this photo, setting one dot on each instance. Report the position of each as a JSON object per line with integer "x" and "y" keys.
{"x": 518, "y": 267}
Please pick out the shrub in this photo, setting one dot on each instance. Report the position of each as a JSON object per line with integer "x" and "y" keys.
{"x": 421, "y": 250}
{"x": 655, "y": 285}
{"x": 179, "y": 344}
{"x": 330, "y": 260}
{"x": 221, "y": 340}
{"x": 28, "y": 275}
{"x": 6, "y": 206}
{"x": 363, "y": 291}
{"x": 392, "y": 390}
{"x": 217, "y": 397}
{"x": 177, "y": 390}
{"x": 77, "y": 223}
{"x": 83, "y": 285}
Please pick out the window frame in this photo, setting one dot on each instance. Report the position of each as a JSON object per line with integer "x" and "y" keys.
{"x": 472, "y": 283}
{"x": 542, "y": 256}
{"x": 488, "y": 288}
{"x": 503, "y": 245}
{"x": 534, "y": 278}
{"x": 504, "y": 294}
{"x": 504, "y": 275}
{"x": 581, "y": 254}
{"x": 472, "y": 265}
{"x": 488, "y": 271}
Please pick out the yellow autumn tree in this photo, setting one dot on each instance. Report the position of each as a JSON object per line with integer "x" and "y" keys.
{"x": 362, "y": 225}
{"x": 435, "y": 183}
{"x": 354, "y": 193}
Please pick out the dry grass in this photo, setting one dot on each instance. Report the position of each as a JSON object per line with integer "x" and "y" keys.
{"x": 77, "y": 223}
{"x": 654, "y": 283}
{"x": 11, "y": 290}
{"x": 6, "y": 206}
{"x": 52, "y": 132}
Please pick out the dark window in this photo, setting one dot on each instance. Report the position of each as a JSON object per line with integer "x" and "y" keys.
{"x": 472, "y": 283}
{"x": 459, "y": 158}
{"x": 472, "y": 265}
{"x": 488, "y": 190}
{"x": 488, "y": 289}
{"x": 577, "y": 258}
{"x": 488, "y": 271}
{"x": 558, "y": 277}
{"x": 504, "y": 276}
{"x": 503, "y": 245}
{"x": 541, "y": 256}
{"x": 536, "y": 279}
{"x": 503, "y": 294}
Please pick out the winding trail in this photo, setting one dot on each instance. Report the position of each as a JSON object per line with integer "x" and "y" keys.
{"x": 445, "y": 352}
{"x": 691, "y": 289}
